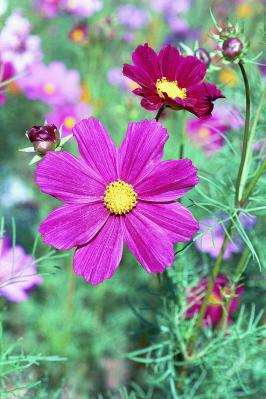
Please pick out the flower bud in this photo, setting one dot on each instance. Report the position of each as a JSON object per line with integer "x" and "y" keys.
{"x": 232, "y": 48}
{"x": 44, "y": 138}
{"x": 203, "y": 56}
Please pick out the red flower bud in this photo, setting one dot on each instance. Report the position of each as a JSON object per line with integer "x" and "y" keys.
{"x": 44, "y": 138}
{"x": 203, "y": 56}
{"x": 232, "y": 48}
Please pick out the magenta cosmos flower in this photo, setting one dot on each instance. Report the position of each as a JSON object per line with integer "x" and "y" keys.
{"x": 47, "y": 83}
{"x": 222, "y": 293}
{"x": 18, "y": 274}
{"x": 171, "y": 79}
{"x": 67, "y": 115}
{"x": 114, "y": 196}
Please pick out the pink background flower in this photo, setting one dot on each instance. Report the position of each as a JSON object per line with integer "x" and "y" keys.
{"x": 18, "y": 274}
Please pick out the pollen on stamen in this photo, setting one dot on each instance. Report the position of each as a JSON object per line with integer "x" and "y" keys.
{"x": 171, "y": 88}
{"x": 120, "y": 197}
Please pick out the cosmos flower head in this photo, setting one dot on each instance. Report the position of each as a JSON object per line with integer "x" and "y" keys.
{"x": 212, "y": 240}
{"x": 67, "y": 115}
{"x": 18, "y": 274}
{"x": 213, "y": 236}
{"x": 209, "y": 133}
{"x": 132, "y": 17}
{"x": 126, "y": 195}
{"x": 48, "y": 8}
{"x": 17, "y": 45}
{"x": 6, "y": 73}
{"x": 223, "y": 293}
{"x": 81, "y": 8}
{"x": 47, "y": 83}
{"x": 79, "y": 33}
{"x": 171, "y": 79}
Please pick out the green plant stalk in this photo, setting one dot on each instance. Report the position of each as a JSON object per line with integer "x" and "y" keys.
{"x": 159, "y": 113}
{"x": 246, "y": 133}
{"x": 250, "y": 144}
{"x": 183, "y": 134}
{"x": 253, "y": 182}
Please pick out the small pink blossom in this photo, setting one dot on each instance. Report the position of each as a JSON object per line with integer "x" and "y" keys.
{"x": 53, "y": 84}
{"x": 17, "y": 45}
{"x": 222, "y": 293}
{"x": 68, "y": 115}
{"x": 18, "y": 274}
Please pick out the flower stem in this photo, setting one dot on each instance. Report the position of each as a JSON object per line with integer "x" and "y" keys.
{"x": 159, "y": 113}
{"x": 183, "y": 134}
{"x": 253, "y": 182}
{"x": 246, "y": 133}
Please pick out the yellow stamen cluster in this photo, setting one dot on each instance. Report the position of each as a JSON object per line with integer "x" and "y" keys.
{"x": 120, "y": 197}
{"x": 170, "y": 88}
{"x": 49, "y": 88}
{"x": 214, "y": 300}
{"x": 204, "y": 132}
{"x": 77, "y": 35}
{"x": 69, "y": 122}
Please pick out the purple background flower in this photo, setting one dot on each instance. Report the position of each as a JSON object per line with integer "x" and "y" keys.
{"x": 18, "y": 274}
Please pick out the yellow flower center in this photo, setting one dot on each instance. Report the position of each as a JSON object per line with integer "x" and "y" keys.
{"x": 120, "y": 197}
{"x": 170, "y": 88}
{"x": 214, "y": 300}
{"x": 204, "y": 132}
{"x": 228, "y": 76}
{"x": 49, "y": 88}
{"x": 78, "y": 35}
{"x": 244, "y": 10}
{"x": 69, "y": 122}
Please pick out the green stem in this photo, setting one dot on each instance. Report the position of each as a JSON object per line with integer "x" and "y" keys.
{"x": 159, "y": 113}
{"x": 242, "y": 264}
{"x": 183, "y": 134}
{"x": 253, "y": 182}
{"x": 246, "y": 133}
{"x": 250, "y": 143}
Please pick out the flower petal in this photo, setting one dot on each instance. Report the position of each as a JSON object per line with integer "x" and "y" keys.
{"x": 145, "y": 58}
{"x": 73, "y": 224}
{"x": 148, "y": 242}
{"x": 190, "y": 71}
{"x": 178, "y": 222}
{"x": 96, "y": 148}
{"x": 99, "y": 259}
{"x": 69, "y": 179}
{"x": 168, "y": 181}
{"x": 169, "y": 60}
{"x": 205, "y": 94}
{"x": 141, "y": 150}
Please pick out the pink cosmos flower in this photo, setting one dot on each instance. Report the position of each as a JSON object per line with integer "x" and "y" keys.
{"x": 212, "y": 240}
{"x": 48, "y": 8}
{"x": 171, "y": 79}
{"x": 132, "y": 17}
{"x": 68, "y": 115}
{"x": 208, "y": 133}
{"x": 47, "y": 83}
{"x": 222, "y": 292}
{"x": 82, "y": 8}
{"x": 17, "y": 45}
{"x": 18, "y": 273}
{"x": 114, "y": 196}
{"x": 6, "y": 73}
